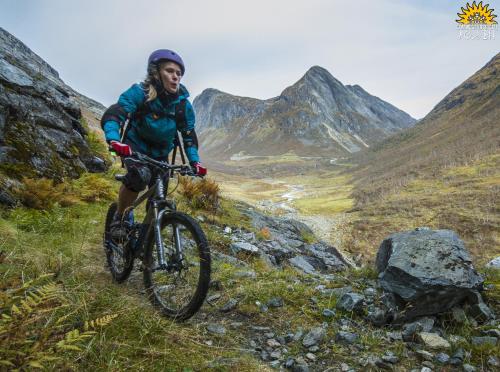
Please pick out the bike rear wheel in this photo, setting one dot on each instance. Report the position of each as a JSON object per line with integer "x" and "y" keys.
{"x": 118, "y": 255}
{"x": 180, "y": 287}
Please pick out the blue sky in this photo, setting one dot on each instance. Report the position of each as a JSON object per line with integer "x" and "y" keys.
{"x": 405, "y": 52}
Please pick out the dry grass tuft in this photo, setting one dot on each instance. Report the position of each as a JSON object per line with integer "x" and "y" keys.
{"x": 201, "y": 194}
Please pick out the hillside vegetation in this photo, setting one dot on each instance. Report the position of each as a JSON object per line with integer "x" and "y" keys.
{"x": 442, "y": 173}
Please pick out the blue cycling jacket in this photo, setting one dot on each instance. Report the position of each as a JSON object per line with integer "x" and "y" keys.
{"x": 154, "y": 134}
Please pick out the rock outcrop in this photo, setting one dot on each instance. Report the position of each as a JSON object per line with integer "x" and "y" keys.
{"x": 430, "y": 271}
{"x": 42, "y": 133}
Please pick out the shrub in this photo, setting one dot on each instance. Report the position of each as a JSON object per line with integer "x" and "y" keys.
{"x": 45, "y": 193}
{"x": 200, "y": 194}
{"x": 263, "y": 234}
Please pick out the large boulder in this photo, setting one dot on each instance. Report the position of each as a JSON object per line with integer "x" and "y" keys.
{"x": 429, "y": 270}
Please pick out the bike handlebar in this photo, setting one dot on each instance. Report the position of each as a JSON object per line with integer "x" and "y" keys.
{"x": 183, "y": 170}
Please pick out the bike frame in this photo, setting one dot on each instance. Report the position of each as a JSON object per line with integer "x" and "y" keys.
{"x": 151, "y": 225}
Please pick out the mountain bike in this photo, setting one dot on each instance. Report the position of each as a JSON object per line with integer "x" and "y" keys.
{"x": 171, "y": 245}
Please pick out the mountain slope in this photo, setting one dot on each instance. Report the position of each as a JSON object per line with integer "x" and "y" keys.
{"x": 463, "y": 127}
{"x": 318, "y": 115}
{"x": 443, "y": 173}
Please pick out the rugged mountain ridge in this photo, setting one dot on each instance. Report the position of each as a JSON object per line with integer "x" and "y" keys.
{"x": 318, "y": 115}
{"x": 42, "y": 130}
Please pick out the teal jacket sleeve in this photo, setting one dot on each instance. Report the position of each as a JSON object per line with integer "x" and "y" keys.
{"x": 128, "y": 103}
{"x": 189, "y": 135}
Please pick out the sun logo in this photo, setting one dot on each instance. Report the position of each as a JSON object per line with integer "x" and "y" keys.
{"x": 476, "y": 14}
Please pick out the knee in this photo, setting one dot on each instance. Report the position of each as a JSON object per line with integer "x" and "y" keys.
{"x": 137, "y": 178}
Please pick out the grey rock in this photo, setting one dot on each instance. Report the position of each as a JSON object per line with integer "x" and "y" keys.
{"x": 442, "y": 358}
{"x": 370, "y": 292}
{"x": 481, "y": 312}
{"x": 264, "y": 355}
{"x": 216, "y": 329}
{"x": 390, "y": 302}
{"x": 262, "y": 307}
{"x": 314, "y": 349}
{"x": 485, "y": 340}
{"x": 494, "y": 263}
{"x": 433, "y": 340}
{"x": 493, "y": 361}
{"x": 328, "y": 313}
{"x": 457, "y": 358}
{"x": 345, "y": 367}
{"x": 311, "y": 357}
{"x": 459, "y": 315}
{"x": 382, "y": 364}
{"x": 275, "y": 355}
{"x": 343, "y": 337}
{"x": 275, "y": 364}
{"x": 377, "y": 317}
{"x": 298, "y": 335}
{"x": 468, "y": 368}
{"x": 289, "y": 363}
{"x": 420, "y": 325}
{"x": 430, "y": 270}
{"x": 244, "y": 247}
{"x": 275, "y": 302}
{"x": 350, "y": 302}
{"x": 230, "y": 305}
{"x": 390, "y": 358}
{"x": 301, "y": 263}
{"x": 227, "y": 230}
{"x": 425, "y": 355}
{"x": 494, "y": 332}
{"x": 455, "y": 339}
{"x": 214, "y": 298}
{"x": 428, "y": 364}
{"x": 314, "y": 337}
{"x": 300, "y": 367}
{"x": 395, "y": 336}
{"x": 426, "y": 369}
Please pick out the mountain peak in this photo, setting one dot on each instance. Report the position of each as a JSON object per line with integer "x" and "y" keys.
{"x": 317, "y": 70}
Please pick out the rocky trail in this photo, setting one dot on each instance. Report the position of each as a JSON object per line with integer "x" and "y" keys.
{"x": 344, "y": 322}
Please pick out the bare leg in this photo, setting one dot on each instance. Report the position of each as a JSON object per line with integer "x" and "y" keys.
{"x": 125, "y": 199}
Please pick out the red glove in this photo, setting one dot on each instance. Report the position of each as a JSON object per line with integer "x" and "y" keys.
{"x": 121, "y": 148}
{"x": 199, "y": 170}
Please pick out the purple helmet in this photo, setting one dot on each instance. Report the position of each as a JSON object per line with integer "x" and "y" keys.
{"x": 166, "y": 54}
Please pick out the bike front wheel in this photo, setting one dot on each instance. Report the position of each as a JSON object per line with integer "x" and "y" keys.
{"x": 180, "y": 286}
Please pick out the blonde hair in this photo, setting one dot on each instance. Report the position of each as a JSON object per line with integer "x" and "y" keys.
{"x": 149, "y": 86}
